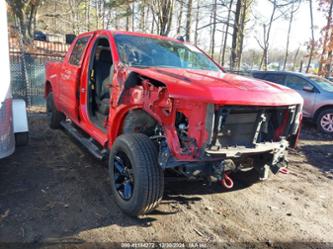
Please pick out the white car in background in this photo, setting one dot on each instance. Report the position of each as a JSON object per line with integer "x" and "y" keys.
{"x": 13, "y": 115}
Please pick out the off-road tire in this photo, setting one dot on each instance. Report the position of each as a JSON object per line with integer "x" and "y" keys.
{"x": 319, "y": 118}
{"x": 21, "y": 138}
{"x": 148, "y": 175}
{"x": 55, "y": 116}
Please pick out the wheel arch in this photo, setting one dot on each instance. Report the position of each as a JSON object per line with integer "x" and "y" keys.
{"x": 140, "y": 116}
{"x": 118, "y": 120}
{"x": 322, "y": 108}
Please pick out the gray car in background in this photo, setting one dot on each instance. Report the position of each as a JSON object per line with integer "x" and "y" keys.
{"x": 316, "y": 91}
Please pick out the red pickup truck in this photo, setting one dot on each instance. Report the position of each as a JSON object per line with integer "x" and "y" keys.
{"x": 152, "y": 103}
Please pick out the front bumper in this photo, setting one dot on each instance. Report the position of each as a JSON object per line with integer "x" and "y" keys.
{"x": 237, "y": 151}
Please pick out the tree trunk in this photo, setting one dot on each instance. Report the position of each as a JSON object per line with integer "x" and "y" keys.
{"x": 214, "y": 10}
{"x": 188, "y": 20}
{"x": 301, "y": 66}
{"x": 235, "y": 35}
{"x": 245, "y": 6}
{"x": 27, "y": 38}
{"x": 329, "y": 58}
{"x": 291, "y": 18}
{"x": 133, "y": 16}
{"x": 225, "y": 39}
{"x": 295, "y": 58}
{"x": 329, "y": 20}
{"x": 147, "y": 14}
{"x": 312, "y": 38}
{"x": 142, "y": 16}
{"x": 116, "y": 20}
{"x": 196, "y": 23}
{"x": 25, "y": 12}
{"x": 154, "y": 22}
{"x": 180, "y": 15}
{"x": 32, "y": 20}
{"x": 96, "y": 17}
{"x": 128, "y": 11}
{"x": 266, "y": 43}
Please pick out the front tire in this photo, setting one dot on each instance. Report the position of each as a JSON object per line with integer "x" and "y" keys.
{"x": 56, "y": 116}
{"x": 325, "y": 121}
{"x": 137, "y": 181}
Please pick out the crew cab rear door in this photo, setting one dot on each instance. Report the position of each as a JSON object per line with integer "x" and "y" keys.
{"x": 70, "y": 75}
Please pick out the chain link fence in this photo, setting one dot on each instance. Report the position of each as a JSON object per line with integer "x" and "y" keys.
{"x": 28, "y": 69}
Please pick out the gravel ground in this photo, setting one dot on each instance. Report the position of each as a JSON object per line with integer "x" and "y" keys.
{"x": 53, "y": 191}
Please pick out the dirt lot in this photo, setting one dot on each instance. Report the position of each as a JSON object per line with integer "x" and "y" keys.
{"x": 54, "y": 191}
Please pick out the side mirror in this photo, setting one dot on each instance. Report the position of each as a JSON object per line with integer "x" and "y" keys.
{"x": 308, "y": 88}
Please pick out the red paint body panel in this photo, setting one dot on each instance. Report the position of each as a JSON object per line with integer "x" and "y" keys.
{"x": 222, "y": 88}
{"x": 187, "y": 91}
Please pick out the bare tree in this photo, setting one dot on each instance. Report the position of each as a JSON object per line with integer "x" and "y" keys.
{"x": 235, "y": 34}
{"x": 278, "y": 7}
{"x": 226, "y": 33}
{"x": 25, "y": 12}
{"x": 242, "y": 7}
{"x": 128, "y": 14}
{"x": 266, "y": 36}
{"x": 163, "y": 10}
{"x": 87, "y": 14}
{"x": 329, "y": 56}
{"x": 212, "y": 38}
{"x": 133, "y": 17}
{"x": 312, "y": 41}
{"x": 197, "y": 14}
{"x": 325, "y": 41}
{"x": 243, "y": 20}
{"x": 142, "y": 15}
{"x": 295, "y": 58}
{"x": 188, "y": 20}
{"x": 291, "y": 19}
{"x": 180, "y": 15}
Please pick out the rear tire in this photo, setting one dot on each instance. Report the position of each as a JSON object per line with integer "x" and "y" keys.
{"x": 325, "y": 121}
{"x": 137, "y": 181}
{"x": 21, "y": 138}
{"x": 56, "y": 116}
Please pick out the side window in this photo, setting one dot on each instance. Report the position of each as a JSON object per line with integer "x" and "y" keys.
{"x": 296, "y": 82}
{"x": 276, "y": 78}
{"x": 77, "y": 51}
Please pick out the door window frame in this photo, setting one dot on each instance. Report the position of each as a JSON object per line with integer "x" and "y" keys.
{"x": 283, "y": 83}
{"x": 315, "y": 90}
{"x": 83, "y": 51}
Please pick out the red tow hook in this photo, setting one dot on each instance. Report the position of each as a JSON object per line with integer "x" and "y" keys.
{"x": 284, "y": 170}
{"x": 227, "y": 182}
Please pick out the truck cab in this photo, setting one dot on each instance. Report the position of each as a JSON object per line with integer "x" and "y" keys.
{"x": 150, "y": 103}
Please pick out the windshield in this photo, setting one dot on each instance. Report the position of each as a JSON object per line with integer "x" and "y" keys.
{"x": 324, "y": 84}
{"x": 153, "y": 52}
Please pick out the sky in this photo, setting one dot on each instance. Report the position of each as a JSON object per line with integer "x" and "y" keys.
{"x": 300, "y": 32}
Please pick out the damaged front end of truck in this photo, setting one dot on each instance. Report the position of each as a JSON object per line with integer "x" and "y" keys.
{"x": 200, "y": 139}
{"x": 240, "y": 138}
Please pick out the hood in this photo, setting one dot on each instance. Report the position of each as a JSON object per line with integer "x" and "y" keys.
{"x": 221, "y": 88}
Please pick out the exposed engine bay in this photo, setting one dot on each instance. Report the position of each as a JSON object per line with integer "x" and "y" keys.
{"x": 240, "y": 139}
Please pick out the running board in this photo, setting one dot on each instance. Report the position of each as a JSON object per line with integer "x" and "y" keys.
{"x": 88, "y": 143}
